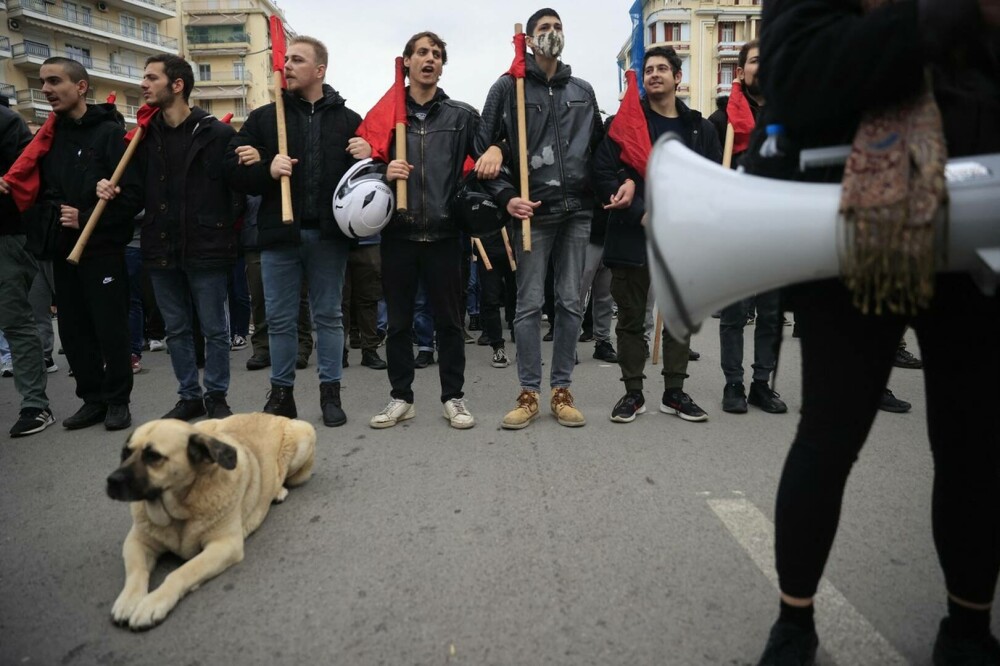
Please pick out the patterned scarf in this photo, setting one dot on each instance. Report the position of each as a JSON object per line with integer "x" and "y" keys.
{"x": 893, "y": 186}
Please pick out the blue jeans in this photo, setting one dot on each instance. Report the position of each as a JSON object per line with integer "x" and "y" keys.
{"x": 177, "y": 292}
{"x": 565, "y": 238}
{"x": 136, "y": 318}
{"x": 472, "y": 297}
{"x": 322, "y": 263}
{"x": 423, "y": 320}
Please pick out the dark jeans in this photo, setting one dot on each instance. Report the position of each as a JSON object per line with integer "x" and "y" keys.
{"x": 259, "y": 340}
{"x": 239, "y": 300}
{"x": 93, "y": 300}
{"x": 499, "y": 290}
{"x": 765, "y": 337}
{"x": 438, "y": 266}
{"x": 629, "y": 287}
{"x": 846, "y": 353}
{"x": 362, "y": 292}
{"x": 136, "y": 318}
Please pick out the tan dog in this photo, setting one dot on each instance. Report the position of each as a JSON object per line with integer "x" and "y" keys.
{"x": 198, "y": 491}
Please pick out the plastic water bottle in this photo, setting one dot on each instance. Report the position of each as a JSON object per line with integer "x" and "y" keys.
{"x": 771, "y": 147}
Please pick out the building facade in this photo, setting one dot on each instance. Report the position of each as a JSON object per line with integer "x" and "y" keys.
{"x": 226, "y": 42}
{"x": 707, "y": 35}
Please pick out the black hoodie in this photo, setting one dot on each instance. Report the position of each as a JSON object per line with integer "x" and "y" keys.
{"x": 85, "y": 151}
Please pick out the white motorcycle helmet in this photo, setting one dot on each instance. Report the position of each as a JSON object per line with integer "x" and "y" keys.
{"x": 362, "y": 202}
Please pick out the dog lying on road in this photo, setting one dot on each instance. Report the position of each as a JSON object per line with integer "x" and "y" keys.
{"x": 198, "y": 491}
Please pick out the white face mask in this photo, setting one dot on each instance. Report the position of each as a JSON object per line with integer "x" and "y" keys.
{"x": 550, "y": 44}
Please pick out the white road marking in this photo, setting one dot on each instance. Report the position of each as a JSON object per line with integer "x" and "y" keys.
{"x": 844, "y": 633}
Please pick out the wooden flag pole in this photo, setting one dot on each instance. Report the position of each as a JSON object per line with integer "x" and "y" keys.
{"x": 506, "y": 246}
{"x": 482, "y": 253}
{"x": 401, "y": 155}
{"x": 522, "y": 153}
{"x": 727, "y": 152}
{"x": 88, "y": 229}
{"x": 657, "y": 337}
{"x": 287, "y": 216}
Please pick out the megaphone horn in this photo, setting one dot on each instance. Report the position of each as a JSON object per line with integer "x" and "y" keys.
{"x": 716, "y": 236}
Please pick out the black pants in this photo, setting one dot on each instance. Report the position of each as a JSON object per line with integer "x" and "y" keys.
{"x": 846, "y": 360}
{"x": 362, "y": 292}
{"x": 439, "y": 265}
{"x": 93, "y": 301}
{"x": 499, "y": 290}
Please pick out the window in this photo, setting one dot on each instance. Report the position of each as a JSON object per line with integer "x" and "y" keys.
{"x": 205, "y": 104}
{"x": 204, "y": 72}
{"x": 216, "y": 34}
{"x": 80, "y": 54}
{"x": 727, "y": 32}
{"x": 241, "y": 108}
{"x": 150, "y": 32}
{"x": 652, "y": 33}
{"x": 132, "y": 100}
{"x": 727, "y": 72}
{"x": 672, "y": 32}
{"x": 239, "y": 71}
{"x": 128, "y": 25}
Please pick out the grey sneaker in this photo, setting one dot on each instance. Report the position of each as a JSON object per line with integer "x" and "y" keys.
{"x": 32, "y": 420}
{"x": 396, "y": 411}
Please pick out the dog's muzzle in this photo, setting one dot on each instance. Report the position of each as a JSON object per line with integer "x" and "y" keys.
{"x": 125, "y": 486}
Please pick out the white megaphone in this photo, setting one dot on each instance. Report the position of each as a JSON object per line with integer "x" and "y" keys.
{"x": 716, "y": 236}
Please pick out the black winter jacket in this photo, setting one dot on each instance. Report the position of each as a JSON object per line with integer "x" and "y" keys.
{"x": 564, "y": 129}
{"x": 207, "y": 209}
{"x": 436, "y": 147}
{"x": 14, "y": 137}
{"x": 317, "y": 137}
{"x": 625, "y": 239}
{"x": 84, "y": 152}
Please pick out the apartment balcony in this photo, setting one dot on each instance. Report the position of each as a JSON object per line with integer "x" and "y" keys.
{"x": 87, "y": 26}
{"x": 213, "y": 91}
{"x": 7, "y": 90}
{"x": 224, "y": 78}
{"x": 30, "y": 55}
{"x": 222, "y": 6}
{"x": 5, "y": 51}
{"x": 154, "y": 9}
{"x": 681, "y": 48}
{"x": 209, "y": 45}
{"x": 33, "y": 98}
{"x": 729, "y": 49}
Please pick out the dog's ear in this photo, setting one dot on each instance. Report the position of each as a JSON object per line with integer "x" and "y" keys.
{"x": 201, "y": 447}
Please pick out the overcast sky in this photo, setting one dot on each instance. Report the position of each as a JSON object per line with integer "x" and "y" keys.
{"x": 365, "y": 36}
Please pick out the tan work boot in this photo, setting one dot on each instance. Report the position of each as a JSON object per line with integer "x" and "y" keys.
{"x": 565, "y": 411}
{"x": 524, "y": 413}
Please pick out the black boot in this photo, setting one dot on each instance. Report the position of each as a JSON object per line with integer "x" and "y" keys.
{"x": 216, "y": 406}
{"x": 91, "y": 413}
{"x": 371, "y": 359}
{"x": 281, "y": 402}
{"x": 329, "y": 402}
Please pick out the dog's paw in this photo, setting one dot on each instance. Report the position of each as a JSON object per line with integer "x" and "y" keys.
{"x": 152, "y": 610}
{"x": 282, "y": 494}
{"x": 124, "y": 606}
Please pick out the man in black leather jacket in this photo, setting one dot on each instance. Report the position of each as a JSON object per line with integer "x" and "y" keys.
{"x": 424, "y": 243}
{"x": 563, "y": 127}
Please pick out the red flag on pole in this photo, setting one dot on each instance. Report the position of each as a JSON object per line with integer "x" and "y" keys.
{"x": 143, "y": 117}
{"x": 278, "y": 48}
{"x": 112, "y": 97}
{"x": 227, "y": 118}
{"x": 740, "y": 117}
{"x": 23, "y": 177}
{"x": 517, "y": 66}
{"x": 381, "y": 121}
{"x": 629, "y": 129}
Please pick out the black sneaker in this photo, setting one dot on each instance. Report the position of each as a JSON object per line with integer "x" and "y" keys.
{"x": 603, "y": 351}
{"x": 890, "y": 403}
{"x": 734, "y": 398}
{"x": 484, "y": 340}
{"x": 216, "y": 406}
{"x": 281, "y": 402}
{"x": 693, "y": 355}
{"x": 423, "y": 359}
{"x": 474, "y": 323}
{"x": 952, "y": 649}
{"x": 587, "y": 336}
{"x": 790, "y": 645}
{"x": 302, "y": 362}
{"x": 32, "y": 420}
{"x": 762, "y": 396}
{"x": 329, "y": 402}
{"x": 500, "y": 358}
{"x": 371, "y": 359}
{"x": 185, "y": 410}
{"x": 90, "y": 414}
{"x": 50, "y": 365}
{"x": 118, "y": 418}
{"x": 626, "y": 409}
{"x": 676, "y": 401}
{"x": 905, "y": 359}
{"x": 548, "y": 336}
{"x": 258, "y": 362}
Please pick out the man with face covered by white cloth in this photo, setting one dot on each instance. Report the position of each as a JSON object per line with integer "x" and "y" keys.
{"x": 563, "y": 129}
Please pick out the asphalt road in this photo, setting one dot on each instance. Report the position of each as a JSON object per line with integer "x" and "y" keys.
{"x": 642, "y": 543}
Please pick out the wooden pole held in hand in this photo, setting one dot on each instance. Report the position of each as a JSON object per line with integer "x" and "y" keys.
{"x": 522, "y": 153}
{"x": 401, "y": 203}
{"x": 506, "y": 246}
{"x": 287, "y": 215}
{"x": 88, "y": 229}
{"x": 727, "y": 152}
{"x": 482, "y": 253}
{"x": 657, "y": 337}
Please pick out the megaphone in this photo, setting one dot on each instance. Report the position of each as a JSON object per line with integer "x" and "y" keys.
{"x": 716, "y": 236}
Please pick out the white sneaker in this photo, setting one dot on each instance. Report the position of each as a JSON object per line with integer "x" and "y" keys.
{"x": 239, "y": 343}
{"x": 157, "y": 345}
{"x": 394, "y": 412}
{"x": 458, "y": 416}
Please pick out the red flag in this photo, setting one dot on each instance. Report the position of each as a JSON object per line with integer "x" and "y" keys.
{"x": 278, "y": 48}
{"x": 227, "y": 118}
{"x": 112, "y": 97}
{"x": 517, "y": 66}
{"x": 629, "y": 129}
{"x": 23, "y": 177}
{"x": 143, "y": 118}
{"x": 381, "y": 121}
{"x": 741, "y": 118}
{"x": 468, "y": 166}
